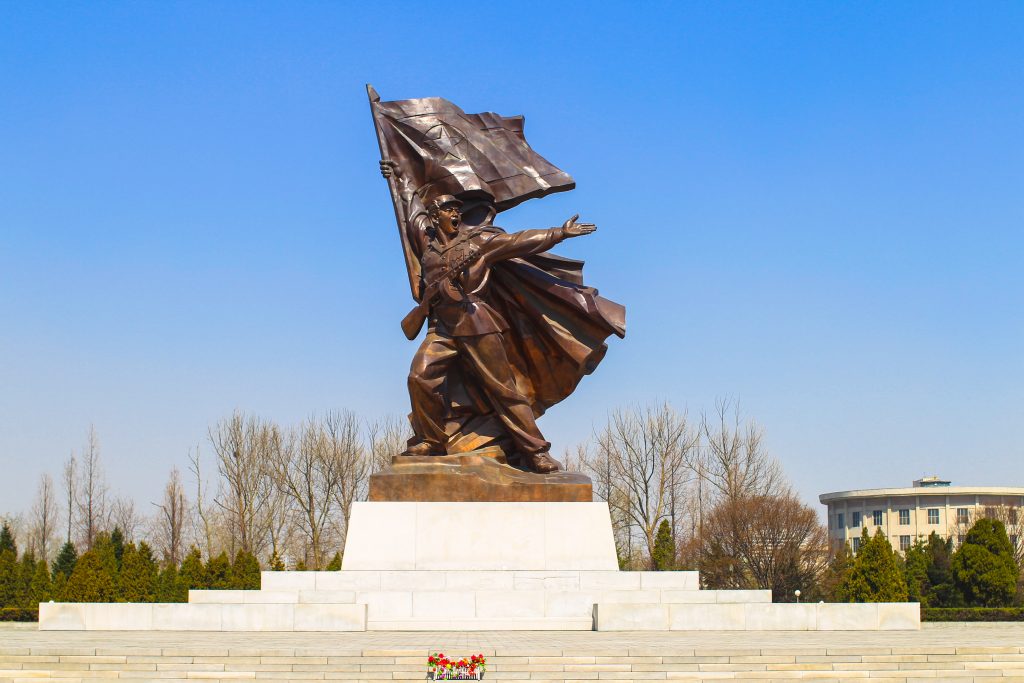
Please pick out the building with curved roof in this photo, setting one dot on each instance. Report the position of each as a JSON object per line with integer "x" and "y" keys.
{"x": 931, "y": 504}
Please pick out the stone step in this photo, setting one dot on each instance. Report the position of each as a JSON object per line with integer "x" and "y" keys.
{"x": 66, "y": 616}
{"x": 270, "y": 597}
{"x": 483, "y": 624}
{"x": 414, "y": 580}
{"x": 758, "y": 617}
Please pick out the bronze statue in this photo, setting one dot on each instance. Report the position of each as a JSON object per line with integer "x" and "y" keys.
{"x": 511, "y": 329}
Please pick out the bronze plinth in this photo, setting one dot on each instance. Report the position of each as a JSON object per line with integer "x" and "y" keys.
{"x": 476, "y": 476}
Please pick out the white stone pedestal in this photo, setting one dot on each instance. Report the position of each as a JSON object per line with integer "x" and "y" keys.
{"x": 480, "y": 567}
{"x": 479, "y": 536}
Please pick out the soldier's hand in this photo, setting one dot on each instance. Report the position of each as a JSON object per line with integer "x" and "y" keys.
{"x": 389, "y": 168}
{"x": 574, "y": 229}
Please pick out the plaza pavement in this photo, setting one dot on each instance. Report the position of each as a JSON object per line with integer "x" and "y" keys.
{"x": 959, "y": 652}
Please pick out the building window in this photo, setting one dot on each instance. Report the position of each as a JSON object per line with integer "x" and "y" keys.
{"x": 877, "y": 514}
{"x": 933, "y": 516}
{"x": 904, "y": 543}
{"x": 959, "y": 539}
{"x": 1013, "y": 541}
{"x": 904, "y": 517}
{"x": 840, "y": 521}
{"x": 856, "y": 545}
{"x": 856, "y": 519}
{"x": 963, "y": 516}
{"x": 1013, "y": 516}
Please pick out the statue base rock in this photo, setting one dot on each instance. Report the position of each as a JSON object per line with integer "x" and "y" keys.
{"x": 478, "y": 476}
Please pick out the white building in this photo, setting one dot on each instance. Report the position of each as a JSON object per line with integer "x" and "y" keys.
{"x": 931, "y": 504}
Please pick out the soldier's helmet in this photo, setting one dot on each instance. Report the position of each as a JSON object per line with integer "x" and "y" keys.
{"x": 441, "y": 201}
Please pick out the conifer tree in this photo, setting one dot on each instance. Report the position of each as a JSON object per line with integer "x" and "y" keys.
{"x": 943, "y": 591}
{"x": 984, "y": 569}
{"x": 218, "y": 572}
{"x": 94, "y": 578}
{"x": 7, "y": 540}
{"x": 277, "y": 565}
{"x": 839, "y": 568}
{"x": 8, "y": 578}
{"x": 170, "y": 586}
{"x": 42, "y": 585}
{"x": 137, "y": 579}
{"x": 875, "y": 576}
{"x": 64, "y": 564}
{"x": 193, "y": 573}
{"x": 915, "y": 573}
{"x": 26, "y": 570}
{"x": 245, "y": 572}
{"x": 117, "y": 541}
{"x": 333, "y": 566}
{"x": 664, "y": 555}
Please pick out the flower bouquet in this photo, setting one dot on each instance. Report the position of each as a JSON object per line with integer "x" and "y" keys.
{"x": 441, "y": 668}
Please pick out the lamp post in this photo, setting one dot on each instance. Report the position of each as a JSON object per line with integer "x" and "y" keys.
{"x": 797, "y": 594}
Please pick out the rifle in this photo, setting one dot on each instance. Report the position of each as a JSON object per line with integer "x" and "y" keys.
{"x": 413, "y": 321}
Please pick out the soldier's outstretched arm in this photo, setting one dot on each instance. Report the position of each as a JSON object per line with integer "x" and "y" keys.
{"x": 527, "y": 242}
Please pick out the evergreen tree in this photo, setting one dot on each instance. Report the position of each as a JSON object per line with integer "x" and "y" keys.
{"x": 915, "y": 572}
{"x": 245, "y": 572}
{"x": 170, "y": 586}
{"x": 26, "y": 571}
{"x": 137, "y": 580}
{"x": 984, "y": 569}
{"x": 42, "y": 585}
{"x": 839, "y": 567}
{"x": 277, "y": 565}
{"x": 333, "y": 566}
{"x": 7, "y": 540}
{"x": 65, "y": 562}
{"x": 193, "y": 573}
{"x": 117, "y": 540}
{"x": 943, "y": 590}
{"x": 94, "y": 578}
{"x": 218, "y": 572}
{"x": 875, "y": 576}
{"x": 8, "y": 578}
{"x": 60, "y": 587}
{"x": 663, "y": 557}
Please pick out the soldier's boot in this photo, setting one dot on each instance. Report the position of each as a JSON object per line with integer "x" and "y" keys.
{"x": 424, "y": 448}
{"x": 542, "y": 463}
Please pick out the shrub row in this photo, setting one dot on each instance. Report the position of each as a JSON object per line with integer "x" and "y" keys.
{"x": 972, "y": 614}
{"x": 19, "y": 614}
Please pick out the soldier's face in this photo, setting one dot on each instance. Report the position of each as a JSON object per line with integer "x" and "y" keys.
{"x": 448, "y": 219}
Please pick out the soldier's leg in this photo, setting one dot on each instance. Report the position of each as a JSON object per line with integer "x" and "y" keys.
{"x": 485, "y": 354}
{"x": 429, "y": 368}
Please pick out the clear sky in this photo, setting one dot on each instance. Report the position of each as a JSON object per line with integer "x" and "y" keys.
{"x": 816, "y": 207}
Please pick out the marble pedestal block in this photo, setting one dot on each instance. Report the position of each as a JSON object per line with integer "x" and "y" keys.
{"x": 479, "y": 537}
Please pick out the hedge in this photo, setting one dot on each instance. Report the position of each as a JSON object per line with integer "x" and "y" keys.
{"x": 19, "y": 614}
{"x": 972, "y": 614}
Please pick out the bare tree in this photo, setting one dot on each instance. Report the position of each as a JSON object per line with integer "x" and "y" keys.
{"x": 169, "y": 522}
{"x": 43, "y": 519}
{"x": 203, "y": 522}
{"x": 243, "y": 447}
{"x": 125, "y": 517}
{"x": 343, "y": 442}
{"x": 734, "y": 462}
{"x": 309, "y": 473}
{"x": 387, "y": 438}
{"x": 70, "y": 479}
{"x": 647, "y": 453}
{"x": 91, "y": 492}
{"x": 764, "y": 541}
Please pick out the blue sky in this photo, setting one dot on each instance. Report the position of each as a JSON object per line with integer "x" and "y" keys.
{"x": 816, "y": 208}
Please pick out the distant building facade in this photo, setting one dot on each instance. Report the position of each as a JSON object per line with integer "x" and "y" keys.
{"x": 931, "y": 504}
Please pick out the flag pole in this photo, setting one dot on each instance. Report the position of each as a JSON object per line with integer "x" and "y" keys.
{"x": 396, "y": 198}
